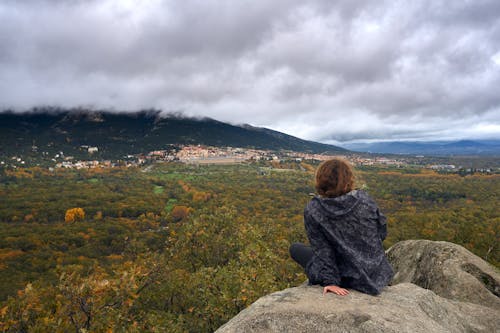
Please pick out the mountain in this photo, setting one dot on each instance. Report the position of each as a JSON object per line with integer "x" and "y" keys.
{"x": 436, "y": 148}
{"x": 117, "y": 134}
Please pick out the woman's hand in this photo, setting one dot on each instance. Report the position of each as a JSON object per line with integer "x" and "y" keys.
{"x": 336, "y": 290}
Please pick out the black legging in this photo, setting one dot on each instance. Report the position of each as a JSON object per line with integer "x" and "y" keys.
{"x": 301, "y": 253}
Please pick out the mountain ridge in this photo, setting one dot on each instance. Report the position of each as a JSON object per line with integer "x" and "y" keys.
{"x": 121, "y": 133}
{"x": 433, "y": 148}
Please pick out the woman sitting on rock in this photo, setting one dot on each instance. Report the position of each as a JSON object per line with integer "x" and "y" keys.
{"x": 345, "y": 229}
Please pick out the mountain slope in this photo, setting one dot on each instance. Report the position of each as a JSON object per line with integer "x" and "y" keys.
{"x": 117, "y": 134}
{"x": 464, "y": 147}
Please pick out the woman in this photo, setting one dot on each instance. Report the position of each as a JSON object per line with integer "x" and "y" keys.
{"x": 345, "y": 229}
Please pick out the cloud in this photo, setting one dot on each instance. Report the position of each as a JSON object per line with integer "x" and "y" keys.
{"x": 326, "y": 71}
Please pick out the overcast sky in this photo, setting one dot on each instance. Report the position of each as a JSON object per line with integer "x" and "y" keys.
{"x": 331, "y": 71}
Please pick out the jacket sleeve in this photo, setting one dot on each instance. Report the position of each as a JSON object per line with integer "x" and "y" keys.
{"x": 381, "y": 225}
{"x": 322, "y": 268}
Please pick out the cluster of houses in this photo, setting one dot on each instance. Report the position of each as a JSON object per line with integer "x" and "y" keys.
{"x": 199, "y": 154}
{"x": 85, "y": 164}
{"x": 207, "y": 154}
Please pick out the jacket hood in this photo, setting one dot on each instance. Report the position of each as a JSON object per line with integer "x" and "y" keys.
{"x": 339, "y": 205}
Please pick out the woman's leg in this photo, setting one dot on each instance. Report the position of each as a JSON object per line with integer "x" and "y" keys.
{"x": 301, "y": 253}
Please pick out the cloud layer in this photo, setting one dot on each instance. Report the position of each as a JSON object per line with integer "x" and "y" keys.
{"x": 328, "y": 71}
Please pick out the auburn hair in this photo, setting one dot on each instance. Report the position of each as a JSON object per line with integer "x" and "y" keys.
{"x": 334, "y": 178}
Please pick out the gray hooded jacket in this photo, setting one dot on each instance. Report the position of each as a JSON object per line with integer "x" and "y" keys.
{"x": 346, "y": 235}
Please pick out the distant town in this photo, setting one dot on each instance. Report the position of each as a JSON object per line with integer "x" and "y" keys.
{"x": 201, "y": 154}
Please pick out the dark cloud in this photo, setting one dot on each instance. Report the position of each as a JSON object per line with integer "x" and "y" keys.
{"x": 343, "y": 70}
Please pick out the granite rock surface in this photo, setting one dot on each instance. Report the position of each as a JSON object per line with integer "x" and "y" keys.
{"x": 438, "y": 287}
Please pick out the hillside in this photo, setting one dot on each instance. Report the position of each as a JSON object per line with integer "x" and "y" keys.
{"x": 118, "y": 134}
{"x": 433, "y": 148}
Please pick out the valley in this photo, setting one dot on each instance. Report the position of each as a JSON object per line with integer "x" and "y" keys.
{"x": 176, "y": 246}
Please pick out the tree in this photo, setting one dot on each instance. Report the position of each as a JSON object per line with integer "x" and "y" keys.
{"x": 179, "y": 213}
{"x": 74, "y": 214}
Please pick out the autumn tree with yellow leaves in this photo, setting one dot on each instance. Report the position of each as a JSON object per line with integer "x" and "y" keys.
{"x": 74, "y": 214}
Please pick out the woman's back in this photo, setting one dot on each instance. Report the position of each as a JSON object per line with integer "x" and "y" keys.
{"x": 348, "y": 231}
{"x": 345, "y": 229}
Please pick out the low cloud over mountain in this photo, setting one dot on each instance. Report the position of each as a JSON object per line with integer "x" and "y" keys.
{"x": 341, "y": 71}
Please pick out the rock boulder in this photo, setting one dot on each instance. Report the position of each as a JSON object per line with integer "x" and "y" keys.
{"x": 447, "y": 269}
{"x": 444, "y": 269}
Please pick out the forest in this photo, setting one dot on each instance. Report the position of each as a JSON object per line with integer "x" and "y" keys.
{"x": 183, "y": 248}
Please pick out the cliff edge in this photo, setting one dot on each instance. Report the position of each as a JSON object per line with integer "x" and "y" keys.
{"x": 438, "y": 287}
